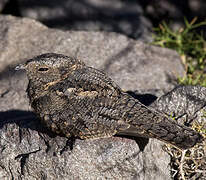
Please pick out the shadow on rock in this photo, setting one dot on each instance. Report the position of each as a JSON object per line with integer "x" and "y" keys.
{"x": 24, "y": 119}
{"x": 145, "y": 99}
{"x": 141, "y": 141}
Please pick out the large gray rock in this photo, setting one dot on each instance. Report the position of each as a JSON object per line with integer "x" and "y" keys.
{"x": 132, "y": 64}
{"x": 114, "y": 16}
{"x": 29, "y": 151}
{"x": 31, "y": 154}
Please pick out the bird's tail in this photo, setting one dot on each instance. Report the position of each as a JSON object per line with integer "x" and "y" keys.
{"x": 150, "y": 123}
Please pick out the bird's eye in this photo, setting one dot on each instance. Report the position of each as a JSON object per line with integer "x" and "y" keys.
{"x": 43, "y": 69}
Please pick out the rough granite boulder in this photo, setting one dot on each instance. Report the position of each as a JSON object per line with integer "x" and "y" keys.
{"x": 29, "y": 151}
{"x": 186, "y": 103}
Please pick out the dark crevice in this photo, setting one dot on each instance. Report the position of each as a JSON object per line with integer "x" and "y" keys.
{"x": 4, "y": 93}
{"x": 145, "y": 99}
{"x": 24, "y": 158}
{"x": 69, "y": 144}
{"x": 12, "y": 176}
{"x": 141, "y": 141}
{"x": 20, "y": 135}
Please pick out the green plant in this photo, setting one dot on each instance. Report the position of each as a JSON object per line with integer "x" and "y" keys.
{"x": 190, "y": 45}
{"x": 191, "y": 163}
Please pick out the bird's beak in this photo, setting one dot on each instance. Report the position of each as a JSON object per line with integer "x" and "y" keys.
{"x": 20, "y": 66}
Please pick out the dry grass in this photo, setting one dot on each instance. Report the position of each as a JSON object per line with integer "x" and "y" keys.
{"x": 191, "y": 163}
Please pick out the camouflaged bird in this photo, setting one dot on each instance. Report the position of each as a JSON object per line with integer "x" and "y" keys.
{"x": 76, "y": 100}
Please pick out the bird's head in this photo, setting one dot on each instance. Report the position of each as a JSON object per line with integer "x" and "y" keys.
{"x": 49, "y": 67}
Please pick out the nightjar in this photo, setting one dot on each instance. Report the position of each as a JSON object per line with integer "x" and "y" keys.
{"x": 76, "y": 100}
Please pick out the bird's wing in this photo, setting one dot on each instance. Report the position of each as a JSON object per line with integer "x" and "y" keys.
{"x": 92, "y": 79}
{"x": 93, "y": 99}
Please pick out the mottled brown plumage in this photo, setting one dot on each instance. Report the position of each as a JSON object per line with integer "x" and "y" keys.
{"x": 76, "y": 100}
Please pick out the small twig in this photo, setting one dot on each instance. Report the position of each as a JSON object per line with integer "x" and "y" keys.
{"x": 181, "y": 164}
{"x": 174, "y": 172}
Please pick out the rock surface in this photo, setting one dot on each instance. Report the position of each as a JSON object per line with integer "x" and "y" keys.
{"x": 185, "y": 103}
{"x": 139, "y": 65}
{"x": 29, "y": 151}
